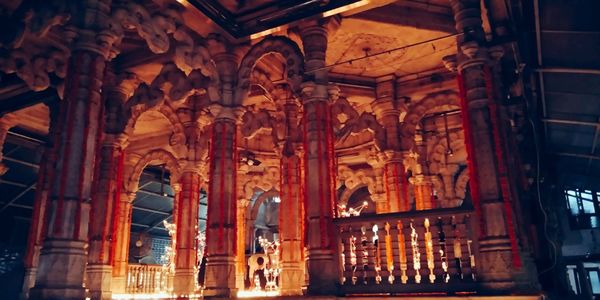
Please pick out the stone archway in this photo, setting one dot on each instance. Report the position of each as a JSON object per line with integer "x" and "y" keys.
{"x": 293, "y": 58}
{"x": 178, "y": 136}
{"x": 154, "y": 156}
{"x": 419, "y": 110}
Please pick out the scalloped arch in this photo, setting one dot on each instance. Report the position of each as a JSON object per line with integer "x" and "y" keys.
{"x": 294, "y": 62}
{"x": 418, "y": 111}
{"x": 178, "y": 136}
{"x": 154, "y": 156}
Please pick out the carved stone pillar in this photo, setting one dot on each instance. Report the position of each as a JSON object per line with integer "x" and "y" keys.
{"x": 37, "y": 227}
{"x": 379, "y": 195}
{"x": 120, "y": 242}
{"x": 386, "y": 108}
{"x": 6, "y": 122}
{"x": 220, "y": 279}
{"x": 499, "y": 259}
{"x": 395, "y": 182}
{"x": 318, "y": 165}
{"x": 292, "y": 275}
{"x": 63, "y": 256}
{"x": 107, "y": 187}
{"x": 186, "y": 247}
{"x": 242, "y": 205}
{"x": 423, "y": 192}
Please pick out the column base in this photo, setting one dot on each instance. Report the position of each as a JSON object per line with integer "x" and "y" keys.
{"x": 184, "y": 282}
{"x": 61, "y": 270}
{"x": 292, "y": 280}
{"x": 220, "y": 278}
{"x": 99, "y": 279}
{"x": 119, "y": 284}
{"x": 495, "y": 270}
{"x": 322, "y": 272}
{"x": 28, "y": 282}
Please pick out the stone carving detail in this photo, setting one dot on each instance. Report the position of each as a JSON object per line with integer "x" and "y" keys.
{"x": 342, "y": 113}
{"x": 190, "y": 56}
{"x": 33, "y": 68}
{"x": 153, "y": 28}
{"x": 460, "y": 186}
{"x": 292, "y": 55}
{"x": 36, "y": 18}
{"x": 353, "y": 179}
{"x": 417, "y": 111}
{"x": 155, "y": 156}
{"x": 254, "y": 122}
{"x": 365, "y": 122}
{"x": 265, "y": 181}
{"x": 178, "y": 136}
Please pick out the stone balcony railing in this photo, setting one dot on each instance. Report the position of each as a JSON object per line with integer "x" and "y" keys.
{"x": 417, "y": 252}
{"x": 147, "y": 279}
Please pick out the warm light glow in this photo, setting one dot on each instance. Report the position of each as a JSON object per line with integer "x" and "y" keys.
{"x": 155, "y": 296}
{"x": 255, "y": 293}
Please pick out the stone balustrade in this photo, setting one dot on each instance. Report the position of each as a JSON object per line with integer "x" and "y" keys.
{"x": 424, "y": 252}
{"x": 148, "y": 279}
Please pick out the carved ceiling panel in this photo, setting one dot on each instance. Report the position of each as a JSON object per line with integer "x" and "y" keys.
{"x": 356, "y": 38}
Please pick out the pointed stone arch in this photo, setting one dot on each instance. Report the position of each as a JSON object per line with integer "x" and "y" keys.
{"x": 419, "y": 110}
{"x": 160, "y": 156}
{"x": 294, "y": 62}
{"x": 177, "y": 138}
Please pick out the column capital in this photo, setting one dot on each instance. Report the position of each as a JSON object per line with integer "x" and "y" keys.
{"x": 232, "y": 113}
{"x": 450, "y": 62}
{"x": 176, "y": 187}
{"x": 120, "y": 140}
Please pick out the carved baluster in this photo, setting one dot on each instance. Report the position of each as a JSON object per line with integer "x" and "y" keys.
{"x": 414, "y": 243}
{"x": 344, "y": 236}
{"x": 429, "y": 251}
{"x": 443, "y": 253}
{"x": 365, "y": 253}
{"x": 389, "y": 253}
{"x": 377, "y": 254}
{"x": 471, "y": 254}
{"x": 402, "y": 253}
{"x": 353, "y": 260}
{"x": 457, "y": 249}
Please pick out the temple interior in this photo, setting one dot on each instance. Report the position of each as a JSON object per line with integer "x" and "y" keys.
{"x": 405, "y": 149}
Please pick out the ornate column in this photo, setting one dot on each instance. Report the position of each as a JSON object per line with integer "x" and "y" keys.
{"x": 63, "y": 256}
{"x": 499, "y": 258}
{"x": 120, "y": 242}
{"x": 318, "y": 164}
{"x": 292, "y": 275}
{"x": 241, "y": 206}
{"x": 105, "y": 201}
{"x": 186, "y": 247}
{"x": 386, "y": 108}
{"x": 379, "y": 195}
{"x": 220, "y": 279}
{"x": 6, "y": 122}
{"x": 423, "y": 187}
{"x": 36, "y": 229}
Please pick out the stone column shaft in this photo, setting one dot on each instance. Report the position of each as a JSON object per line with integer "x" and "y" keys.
{"x": 423, "y": 193}
{"x": 319, "y": 197}
{"x": 220, "y": 279}
{"x": 290, "y": 228}
{"x": 186, "y": 249}
{"x": 63, "y": 256}
{"x": 120, "y": 241}
{"x": 396, "y": 184}
{"x": 107, "y": 189}
{"x": 242, "y": 205}
{"x": 38, "y": 226}
{"x": 499, "y": 259}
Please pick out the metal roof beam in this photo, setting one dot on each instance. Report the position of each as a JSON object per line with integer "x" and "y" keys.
{"x": 17, "y": 197}
{"x": 577, "y": 155}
